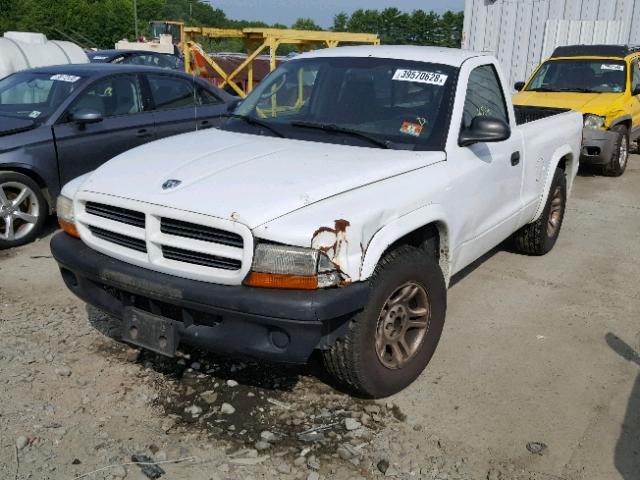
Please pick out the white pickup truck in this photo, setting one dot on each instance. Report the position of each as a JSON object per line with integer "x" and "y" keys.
{"x": 328, "y": 214}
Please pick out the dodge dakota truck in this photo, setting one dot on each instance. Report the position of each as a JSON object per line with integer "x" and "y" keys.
{"x": 327, "y": 214}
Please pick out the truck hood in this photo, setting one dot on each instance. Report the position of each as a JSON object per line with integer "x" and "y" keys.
{"x": 248, "y": 178}
{"x": 596, "y": 103}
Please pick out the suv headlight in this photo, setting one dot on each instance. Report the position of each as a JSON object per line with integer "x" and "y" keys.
{"x": 282, "y": 266}
{"x": 66, "y": 217}
{"x": 595, "y": 122}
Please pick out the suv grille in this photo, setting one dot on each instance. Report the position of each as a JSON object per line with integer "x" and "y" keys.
{"x": 119, "y": 239}
{"x": 197, "y": 258}
{"x": 200, "y": 232}
{"x": 117, "y": 214}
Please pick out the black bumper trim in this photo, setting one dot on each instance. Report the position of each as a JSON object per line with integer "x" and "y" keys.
{"x": 278, "y": 325}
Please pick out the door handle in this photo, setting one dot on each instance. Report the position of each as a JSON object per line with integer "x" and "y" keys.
{"x": 515, "y": 158}
{"x": 143, "y": 133}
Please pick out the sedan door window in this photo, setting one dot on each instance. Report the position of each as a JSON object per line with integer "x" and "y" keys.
{"x": 112, "y": 97}
{"x": 171, "y": 92}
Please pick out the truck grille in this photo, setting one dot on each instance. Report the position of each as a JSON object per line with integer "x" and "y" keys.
{"x": 117, "y": 214}
{"x": 176, "y": 242}
{"x": 203, "y": 259}
{"x": 179, "y": 228}
{"x": 119, "y": 239}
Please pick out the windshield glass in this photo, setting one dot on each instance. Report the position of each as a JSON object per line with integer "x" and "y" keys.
{"x": 373, "y": 102}
{"x": 601, "y": 76}
{"x": 35, "y": 95}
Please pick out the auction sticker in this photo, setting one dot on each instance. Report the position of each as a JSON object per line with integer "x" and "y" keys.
{"x": 413, "y": 129}
{"x": 606, "y": 66}
{"x": 419, "y": 76}
{"x": 65, "y": 78}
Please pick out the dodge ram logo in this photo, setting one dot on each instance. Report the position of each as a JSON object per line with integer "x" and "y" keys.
{"x": 170, "y": 184}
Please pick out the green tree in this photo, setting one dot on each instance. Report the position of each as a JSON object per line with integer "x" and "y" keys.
{"x": 340, "y": 22}
{"x": 305, "y": 24}
{"x": 365, "y": 21}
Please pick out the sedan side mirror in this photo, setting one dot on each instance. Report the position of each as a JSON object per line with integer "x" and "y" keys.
{"x": 484, "y": 129}
{"x": 84, "y": 116}
{"x": 518, "y": 86}
{"x": 231, "y": 106}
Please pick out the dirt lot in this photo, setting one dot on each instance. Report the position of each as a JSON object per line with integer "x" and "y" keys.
{"x": 535, "y": 350}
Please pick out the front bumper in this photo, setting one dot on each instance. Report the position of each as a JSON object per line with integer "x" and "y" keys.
{"x": 276, "y": 325}
{"x": 597, "y": 146}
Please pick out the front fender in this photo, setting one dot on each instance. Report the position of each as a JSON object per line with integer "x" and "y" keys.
{"x": 571, "y": 170}
{"x": 393, "y": 231}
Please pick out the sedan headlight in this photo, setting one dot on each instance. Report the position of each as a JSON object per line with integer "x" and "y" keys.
{"x": 66, "y": 217}
{"x": 282, "y": 266}
{"x": 594, "y": 121}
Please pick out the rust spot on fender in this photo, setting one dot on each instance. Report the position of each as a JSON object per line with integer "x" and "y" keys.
{"x": 334, "y": 243}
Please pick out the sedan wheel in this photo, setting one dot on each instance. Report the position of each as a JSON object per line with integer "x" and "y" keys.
{"x": 22, "y": 210}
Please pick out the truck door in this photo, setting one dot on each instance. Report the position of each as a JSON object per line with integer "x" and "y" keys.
{"x": 635, "y": 99}
{"x": 489, "y": 175}
{"x": 125, "y": 124}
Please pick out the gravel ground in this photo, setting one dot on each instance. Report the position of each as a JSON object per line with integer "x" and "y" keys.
{"x": 510, "y": 394}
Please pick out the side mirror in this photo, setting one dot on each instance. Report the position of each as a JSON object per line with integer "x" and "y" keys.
{"x": 636, "y": 91}
{"x": 231, "y": 106}
{"x": 519, "y": 86}
{"x": 84, "y": 116}
{"x": 484, "y": 129}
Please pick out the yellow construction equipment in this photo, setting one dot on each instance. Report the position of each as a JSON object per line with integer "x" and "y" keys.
{"x": 256, "y": 41}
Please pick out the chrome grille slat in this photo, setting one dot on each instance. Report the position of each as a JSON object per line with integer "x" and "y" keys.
{"x": 180, "y": 228}
{"x": 119, "y": 239}
{"x": 197, "y": 258}
{"x": 118, "y": 214}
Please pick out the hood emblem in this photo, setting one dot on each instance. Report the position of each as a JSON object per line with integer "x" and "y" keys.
{"x": 173, "y": 183}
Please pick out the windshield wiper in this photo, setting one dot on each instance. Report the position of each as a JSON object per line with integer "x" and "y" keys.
{"x": 578, "y": 90}
{"x": 332, "y": 128}
{"x": 253, "y": 121}
{"x": 542, "y": 89}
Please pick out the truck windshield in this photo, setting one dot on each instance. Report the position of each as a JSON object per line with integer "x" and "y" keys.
{"x": 35, "y": 95}
{"x": 375, "y": 102}
{"x": 582, "y": 76}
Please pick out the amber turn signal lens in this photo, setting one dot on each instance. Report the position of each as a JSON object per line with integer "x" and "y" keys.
{"x": 270, "y": 280}
{"x": 70, "y": 228}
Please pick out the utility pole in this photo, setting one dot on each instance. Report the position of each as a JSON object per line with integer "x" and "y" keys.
{"x": 135, "y": 17}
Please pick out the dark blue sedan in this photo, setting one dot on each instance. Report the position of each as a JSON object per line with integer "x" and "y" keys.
{"x": 57, "y": 123}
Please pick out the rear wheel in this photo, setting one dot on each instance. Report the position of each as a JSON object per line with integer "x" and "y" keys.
{"x": 392, "y": 340}
{"x": 539, "y": 237}
{"x": 23, "y": 210}
{"x": 620, "y": 155}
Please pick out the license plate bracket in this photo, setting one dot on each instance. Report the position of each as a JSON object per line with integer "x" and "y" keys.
{"x": 150, "y": 331}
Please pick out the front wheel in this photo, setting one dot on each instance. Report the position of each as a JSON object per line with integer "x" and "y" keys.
{"x": 539, "y": 237}
{"x": 620, "y": 156}
{"x": 23, "y": 210}
{"x": 392, "y": 340}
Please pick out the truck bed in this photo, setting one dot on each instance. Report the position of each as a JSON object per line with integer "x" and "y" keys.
{"x": 526, "y": 114}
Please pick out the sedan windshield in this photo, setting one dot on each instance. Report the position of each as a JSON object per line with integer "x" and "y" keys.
{"x": 373, "y": 102}
{"x": 582, "y": 76}
{"x": 35, "y": 95}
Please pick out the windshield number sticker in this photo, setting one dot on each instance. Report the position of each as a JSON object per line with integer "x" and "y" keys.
{"x": 65, "y": 78}
{"x": 418, "y": 76}
{"x": 34, "y": 114}
{"x": 100, "y": 57}
{"x": 617, "y": 68}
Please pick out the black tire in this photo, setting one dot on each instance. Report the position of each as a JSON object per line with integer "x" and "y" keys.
{"x": 20, "y": 232}
{"x": 105, "y": 323}
{"x": 620, "y": 155}
{"x": 537, "y": 238}
{"x": 353, "y": 359}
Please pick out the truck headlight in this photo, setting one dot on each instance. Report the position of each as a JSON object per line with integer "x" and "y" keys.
{"x": 282, "y": 266}
{"x": 595, "y": 122}
{"x": 66, "y": 217}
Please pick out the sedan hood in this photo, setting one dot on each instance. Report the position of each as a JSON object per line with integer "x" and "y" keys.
{"x": 249, "y": 178}
{"x": 11, "y": 125}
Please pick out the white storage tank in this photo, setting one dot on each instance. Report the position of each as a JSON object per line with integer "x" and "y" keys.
{"x": 23, "y": 50}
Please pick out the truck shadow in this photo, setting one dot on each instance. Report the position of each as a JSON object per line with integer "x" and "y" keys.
{"x": 627, "y": 451}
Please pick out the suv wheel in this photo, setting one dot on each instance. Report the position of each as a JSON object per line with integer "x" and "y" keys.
{"x": 392, "y": 340}
{"x": 620, "y": 156}
{"x": 23, "y": 210}
{"x": 539, "y": 237}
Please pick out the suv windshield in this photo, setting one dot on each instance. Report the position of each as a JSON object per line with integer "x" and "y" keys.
{"x": 35, "y": 95}
{"x": 375, "y": 102}
{"x": 583, "y": 76}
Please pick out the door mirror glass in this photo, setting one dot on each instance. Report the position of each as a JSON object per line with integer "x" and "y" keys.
{"x": 84, "y": 116}
{"x": 518, "y": 86}
{"x": 636, "y": 91}
{"x": 484, "y": 129}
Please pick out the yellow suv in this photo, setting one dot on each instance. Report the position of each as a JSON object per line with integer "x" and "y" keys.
{"x": 602, "y": 82}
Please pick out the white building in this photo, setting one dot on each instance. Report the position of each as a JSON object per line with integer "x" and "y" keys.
{"x": 522, "y": 33}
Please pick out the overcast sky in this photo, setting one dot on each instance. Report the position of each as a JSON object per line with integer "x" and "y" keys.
{"x": 322, "y": 11}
